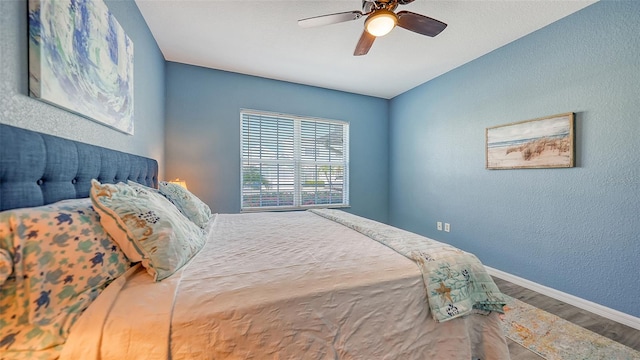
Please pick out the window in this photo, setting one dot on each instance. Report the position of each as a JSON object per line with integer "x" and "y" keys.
{"x": 291, "y": 162}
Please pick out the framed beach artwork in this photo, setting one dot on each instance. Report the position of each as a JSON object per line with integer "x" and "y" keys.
{"x": 540, "y": 143}
{"x": 81, "y": 60}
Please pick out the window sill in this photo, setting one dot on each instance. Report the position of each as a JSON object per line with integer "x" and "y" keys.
{"x": 292, "y": 208}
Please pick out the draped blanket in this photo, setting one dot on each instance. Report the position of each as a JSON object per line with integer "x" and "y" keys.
{"x": 457, "y": 283}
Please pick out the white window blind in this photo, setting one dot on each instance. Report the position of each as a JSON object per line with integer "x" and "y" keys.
{"x": 291, "y": 162}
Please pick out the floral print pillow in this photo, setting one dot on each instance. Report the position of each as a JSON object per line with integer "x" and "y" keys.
{"x": 60, "y": 260}
{"x": 147, "y": 227}
{"x": 6, "y": 265}
{"x": 188, "y": 204}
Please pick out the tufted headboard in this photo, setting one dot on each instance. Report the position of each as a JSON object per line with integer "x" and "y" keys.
{"x": 38, "y": 169}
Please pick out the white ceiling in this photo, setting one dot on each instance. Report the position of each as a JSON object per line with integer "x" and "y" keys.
{"x": 263, "y": 38}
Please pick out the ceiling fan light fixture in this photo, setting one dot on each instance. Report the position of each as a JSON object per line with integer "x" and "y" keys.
{"x": 381, "y": 22}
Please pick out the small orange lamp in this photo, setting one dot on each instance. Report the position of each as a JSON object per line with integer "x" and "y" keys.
{"x": 177, "y": 181}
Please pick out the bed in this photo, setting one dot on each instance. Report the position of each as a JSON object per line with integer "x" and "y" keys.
{"x": 92, "y": 282}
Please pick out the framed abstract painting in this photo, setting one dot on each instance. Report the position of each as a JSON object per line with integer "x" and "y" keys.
{"x": 540, "y": 143}
{"x": 81, "y": 60}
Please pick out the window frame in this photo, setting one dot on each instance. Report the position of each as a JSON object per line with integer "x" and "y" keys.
{"x": 297, "y": 162}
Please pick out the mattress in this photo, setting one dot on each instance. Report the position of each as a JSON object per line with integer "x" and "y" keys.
{"x": 281, "y": 285}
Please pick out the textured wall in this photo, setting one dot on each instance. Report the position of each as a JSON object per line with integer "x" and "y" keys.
{"x": 576, "y": 230}
{"x": 203, "y": 132}
{"x": 18, "y": 109}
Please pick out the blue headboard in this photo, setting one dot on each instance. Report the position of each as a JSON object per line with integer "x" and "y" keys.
{"x": 38, "y": 169}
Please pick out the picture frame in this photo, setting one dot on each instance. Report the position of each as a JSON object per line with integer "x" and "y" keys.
{"x": 81, "y": 60}
{"x": 547, "y": 142}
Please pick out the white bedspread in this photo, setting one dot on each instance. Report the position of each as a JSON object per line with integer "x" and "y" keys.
{"x": 280, "y": 286}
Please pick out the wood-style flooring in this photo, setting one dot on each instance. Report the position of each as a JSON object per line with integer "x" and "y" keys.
{"x": 615, "y": 331}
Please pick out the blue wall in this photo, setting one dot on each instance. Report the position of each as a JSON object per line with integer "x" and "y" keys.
{"x": 576, "y": 230}
{"x": 18, "y": 109}
{"x": 203, "y": 132}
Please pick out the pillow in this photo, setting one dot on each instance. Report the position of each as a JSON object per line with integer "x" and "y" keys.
{"x": 6, "y": 265}
{"x": 60, "y": 259}
{"x": 135, "y": 184}
{"x": 147, "y": 227}
{"x": 188, "y": 204}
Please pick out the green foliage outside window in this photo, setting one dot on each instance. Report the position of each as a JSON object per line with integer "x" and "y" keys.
{"x": 253, "y": 178}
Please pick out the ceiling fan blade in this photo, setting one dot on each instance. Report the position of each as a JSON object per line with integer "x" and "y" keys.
{"x": 364, "y": 44}
{"x": 330, "y": 19}
{"x": 420, "y": 24}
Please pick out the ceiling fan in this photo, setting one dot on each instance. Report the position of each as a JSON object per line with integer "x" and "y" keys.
{"x": 381, "y": 19}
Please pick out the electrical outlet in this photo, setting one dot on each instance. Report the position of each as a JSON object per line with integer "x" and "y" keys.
{"x": 439, "y": 225}
{"x": 447, "y": 227}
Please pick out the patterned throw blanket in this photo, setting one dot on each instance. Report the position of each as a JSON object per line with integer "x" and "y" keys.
{"x": 456, "y": 281}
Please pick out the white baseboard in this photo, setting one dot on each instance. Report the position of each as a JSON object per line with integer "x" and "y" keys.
{"x": 587, "y": 305}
